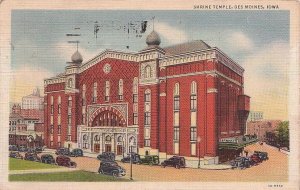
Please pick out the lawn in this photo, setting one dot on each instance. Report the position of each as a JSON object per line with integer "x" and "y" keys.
{"x": 17, "y": 164}
{"x": 78, "y": 176}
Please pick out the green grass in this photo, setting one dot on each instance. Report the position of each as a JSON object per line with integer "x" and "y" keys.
{"x": 77, "y": 176}
{"x": 17, "y": 164}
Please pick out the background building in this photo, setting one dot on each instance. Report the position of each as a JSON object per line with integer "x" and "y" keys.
{"x": 261, "y": 128}
{"x": 255, "y": 116}
{"x": 157, "y": 101}
{"x": 33, "y": 101}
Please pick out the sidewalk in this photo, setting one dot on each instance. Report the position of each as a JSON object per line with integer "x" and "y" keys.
{"x": 43, "y": 170}
{"x": 215, "y": 167}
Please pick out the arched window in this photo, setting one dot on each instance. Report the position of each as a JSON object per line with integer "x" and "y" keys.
{"x": 107, "y": 89}
{"x": 85, "y": 137}
{"x": 95, "y": 92}
{"x": 120, "y": 139}
{"x": 148, "y": 73}
{"x": 70, "y": 101}
{"x": 120, "y": 89}
{"x": 70, "y": 83}
{"x": 97, "y": 138}
{"x": 176, "y": 89}
{"x": 108, "y": 138}
{"x": 193, "y": 87}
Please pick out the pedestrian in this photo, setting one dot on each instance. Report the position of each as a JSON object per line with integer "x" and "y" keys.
{"x": 246, "y": 152}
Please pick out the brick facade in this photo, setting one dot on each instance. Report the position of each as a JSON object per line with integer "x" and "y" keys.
{"x": 219, "y": 110}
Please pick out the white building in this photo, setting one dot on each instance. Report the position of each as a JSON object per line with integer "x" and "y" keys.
{"x": 33, "y": 101}
{"x": 255, "y": 116}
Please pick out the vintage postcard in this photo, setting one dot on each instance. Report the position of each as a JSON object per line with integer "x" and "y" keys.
{"x": 149, "y": 94}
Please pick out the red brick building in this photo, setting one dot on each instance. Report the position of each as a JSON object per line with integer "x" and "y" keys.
{"x": 260, "y": 128}
{"x": 155, "y": 101}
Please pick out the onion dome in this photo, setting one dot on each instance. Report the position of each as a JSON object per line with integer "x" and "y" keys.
{"x": 153, "y": 39}
{"x": 76, "y": 58}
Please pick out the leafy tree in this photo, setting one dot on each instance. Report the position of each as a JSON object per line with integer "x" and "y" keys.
{"x": 282, "y": 134}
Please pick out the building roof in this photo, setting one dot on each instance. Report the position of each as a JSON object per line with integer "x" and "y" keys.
{"x": 32, "y": 114}
{"x": 186, "y": 47}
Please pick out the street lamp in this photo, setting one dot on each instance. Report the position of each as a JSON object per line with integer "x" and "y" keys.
{"x": 130, "y": 153}
{"x": 198, "y": 140}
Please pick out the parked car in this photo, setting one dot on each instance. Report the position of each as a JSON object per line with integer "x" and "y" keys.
{"x": 107, "y": 156}
{"x": 62, "y": 160}
{"x": 31, "y": 150}
{"x": 32, "y": 157}
{"x": 151, "y": 160}
{"x": 175, "y": 161}
{"x": 76, "y": 152}
{"x": 16, "y": 155}
{"x": 241, "y": 162}
{"x": 39, "y": 149}
{"x": 134, "y": 156}
{"x": 255, "y": 159}
{"x": 62, "y": 151}
{"x": 13, "y": 148}
{"x": 47, "y": 159}
{"x": 111, "y": 168}
{"x": 23, "y": 148}
{"x": 262, "y": 155}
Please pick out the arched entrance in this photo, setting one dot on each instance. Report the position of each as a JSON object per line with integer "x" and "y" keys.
{"x": 108, "y": 118}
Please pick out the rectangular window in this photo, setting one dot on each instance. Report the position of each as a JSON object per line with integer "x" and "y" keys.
{"x": 59, "y": 144}
{"x": 135, "y": 98}
{"x": 106, "y": 98}
{"x": 52, "y": 109}
{"x": 83, "y": 119}
{"x": 70, "y": 103}
{"x": 147, "y": 142}
{"x": 51, "y": 129}
{"x": 193, "y": 102}
{"x": 193, "y": 149}
{"x": 59, "y": 109}
{"x": 193, "y": 134}
{"x": 147, "y": 118}
{"x": 176, "y": 118}
{"x": 176, "y": 103}
{"x": 59, "y": 130}
{"x": 176, "y": 148}
{"x": 120, "y": 97}
{"x": 69, "y": 119}
{"x": 147, "y": 133}
{"x": 51, "y": 143}
{"x": 176, "y": 133}
{"x": 83, "y": 101}
{"x": 135, "y": 118}
{"x": 147, "y": 97}
{"x": 193, "y": 119}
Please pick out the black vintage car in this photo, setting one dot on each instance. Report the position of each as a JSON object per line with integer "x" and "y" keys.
{"x": 62, "y": 160}
{"x": 15, "y": 155}
{"x": 13, "y": 148}
{"x": 175, "y": 161}
{"x": 23, "y": 148}
{"x": 107, "y": 156}
{"x": 32, "y": 157}
{"x": 76, "y": 152}
{"x": 134, "y": 156}
{"x": 62, "y": 151}
{"x": 47, "y": 159}
{"x": 262, "y": 155}
{"x": 241, "y": 162}
{"x": 111, "y": 168}
{"x": 150, "y": 160}
{"x": 38, "y": 149}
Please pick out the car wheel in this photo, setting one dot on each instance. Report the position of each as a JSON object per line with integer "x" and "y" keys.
{"x": 114, "y": 173}
{"x": 151, "y": 164}
{"x": 177, "y": 166}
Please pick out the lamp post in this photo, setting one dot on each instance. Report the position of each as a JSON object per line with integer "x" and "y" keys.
{"x": 198, "y": 140}
{"x": 130, "y": 153}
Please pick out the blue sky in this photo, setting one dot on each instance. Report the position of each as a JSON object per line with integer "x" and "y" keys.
{"x": 254, "y": 39}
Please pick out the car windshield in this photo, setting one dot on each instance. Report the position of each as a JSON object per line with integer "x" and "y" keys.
{"x": 114, "y": 164}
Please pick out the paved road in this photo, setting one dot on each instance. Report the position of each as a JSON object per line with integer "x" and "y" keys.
{"x": 274, "y": 169}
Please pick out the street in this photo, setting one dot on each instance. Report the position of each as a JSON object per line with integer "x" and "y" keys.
{"x": 274, "y": 169}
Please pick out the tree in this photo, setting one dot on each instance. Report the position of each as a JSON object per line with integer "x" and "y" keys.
{"x": 282, "y": 134}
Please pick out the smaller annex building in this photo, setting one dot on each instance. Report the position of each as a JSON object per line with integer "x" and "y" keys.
{"x": 187, "y": 99}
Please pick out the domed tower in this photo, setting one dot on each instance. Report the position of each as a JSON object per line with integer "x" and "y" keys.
{"x": 76, "y": 58}
{"x": 153, "y": 39}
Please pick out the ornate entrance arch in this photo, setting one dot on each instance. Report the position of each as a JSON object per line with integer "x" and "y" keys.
{"x": 107, "y": 116}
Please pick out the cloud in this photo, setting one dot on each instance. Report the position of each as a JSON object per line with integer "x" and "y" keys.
{"x": 266, "y": 79}
{"x": 172, "y": 34}
{"x": 239, "y": 41}
{"x": 24, "y": 79}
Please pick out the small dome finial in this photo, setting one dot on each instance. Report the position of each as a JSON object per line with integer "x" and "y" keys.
{"x": 76, "y": 58}
{"x": 153, "y": 39}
